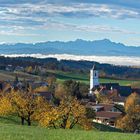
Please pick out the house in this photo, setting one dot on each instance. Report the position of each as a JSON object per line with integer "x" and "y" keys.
{"x": 106, "y": 113}
{"x": 38, "y": 84}
{"x": 47, "y": 95}
{"x": 9, "y": 68}
{"x": 19, "y": 69}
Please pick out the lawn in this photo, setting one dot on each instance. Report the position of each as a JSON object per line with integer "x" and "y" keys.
{"x": 16, "y": 132}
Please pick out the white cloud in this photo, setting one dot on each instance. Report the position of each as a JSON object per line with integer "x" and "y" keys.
{"x": 85, "y": 28}
{"x": 35, "y": 16}
{"x": 116, "y": 60}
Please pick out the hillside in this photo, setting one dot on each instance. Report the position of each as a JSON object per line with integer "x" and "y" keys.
{"x": 14, "y": 132}
{"x": 62, "y": 76}
{"x": 105, "y": 70}
{"x": 103, "y": 47}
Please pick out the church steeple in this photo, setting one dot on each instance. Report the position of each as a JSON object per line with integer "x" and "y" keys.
{"x": 94, "y": 67}
{"x": 94, "y": 78}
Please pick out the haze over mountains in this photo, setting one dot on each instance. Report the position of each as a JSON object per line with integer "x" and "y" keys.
{"x": 103, "y": 47}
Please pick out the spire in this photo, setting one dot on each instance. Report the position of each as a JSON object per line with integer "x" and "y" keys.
{"x": 94, "y": 67}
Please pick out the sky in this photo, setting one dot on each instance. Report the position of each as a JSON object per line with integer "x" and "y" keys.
{"x": 48, "y": 20}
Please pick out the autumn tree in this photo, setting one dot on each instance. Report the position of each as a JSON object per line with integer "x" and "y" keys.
{"x": 25, "y": 105}
{"x": 131, "y": 121}
{"x": 5, "y": 105}
{"x": 60, "y": 91}
{"x": 69, "y": 113}
{"x": 29, "y": 69}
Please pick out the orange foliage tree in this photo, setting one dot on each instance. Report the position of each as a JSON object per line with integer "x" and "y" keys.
{"x": 131, "y": 121}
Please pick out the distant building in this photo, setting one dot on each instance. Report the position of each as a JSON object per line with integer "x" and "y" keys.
{"x": 47, "y": 95}
{"x": 94, "y": 78}
{"x": 18, "y": 68}
{"x": 106, "y": 113}
{"x": 9, "y": 68}
{"x": 106, "y": 87}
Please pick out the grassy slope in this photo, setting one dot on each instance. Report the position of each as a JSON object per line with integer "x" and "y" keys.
{"x": 14, "y": 132}
{"x": 61, "y": 76}
{"x": 4, "y": 75}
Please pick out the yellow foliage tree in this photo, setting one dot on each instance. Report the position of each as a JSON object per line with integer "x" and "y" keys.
{"x": 29, "y": 69}
{"x": 25, "y": 105}
{"x": 5, "y": 106}
{"x": 131, "y": 121}
{"x": 69, "y": 113}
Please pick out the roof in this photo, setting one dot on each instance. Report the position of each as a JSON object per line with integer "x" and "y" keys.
{"x": 119, "y": 99}
{"x": 107, "y": 107}
{"x": 108, "y": 115}
{"x": 111, "y": 85}
{"x": 44, "y": 94}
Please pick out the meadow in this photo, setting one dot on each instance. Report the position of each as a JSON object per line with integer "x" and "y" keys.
{"x": 17, "y": 132}
{"x": 62, "y": 76}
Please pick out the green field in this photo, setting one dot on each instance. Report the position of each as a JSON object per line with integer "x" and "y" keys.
{"x": 62, "y": 76}
{"x": 16, "y": 132}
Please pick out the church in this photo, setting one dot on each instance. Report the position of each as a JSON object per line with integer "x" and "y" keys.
{"x": 104, "y": 87}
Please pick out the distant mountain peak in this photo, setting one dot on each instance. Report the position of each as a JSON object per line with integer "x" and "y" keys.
{"x": 104, "y": 47}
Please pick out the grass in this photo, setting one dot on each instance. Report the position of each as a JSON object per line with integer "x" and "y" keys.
{"x": 62, "y": 76}
{"x": 16, "y": 132}
{"x": 6, "y": 75}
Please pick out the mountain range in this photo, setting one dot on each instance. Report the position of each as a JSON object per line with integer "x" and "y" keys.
{"x": 103, "y": 47}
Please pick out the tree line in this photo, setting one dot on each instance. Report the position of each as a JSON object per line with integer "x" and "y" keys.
{"x": 106, "y": 70}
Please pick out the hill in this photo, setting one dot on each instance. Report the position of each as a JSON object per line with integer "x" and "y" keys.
{"x": 103, "y": 47}
{"x": 14, "y": 132}
{"x": 106, "y": 70}
{"x": 62, "y": 76}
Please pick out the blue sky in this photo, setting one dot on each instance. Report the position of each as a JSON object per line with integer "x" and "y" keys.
{"x": 43, "y": 20}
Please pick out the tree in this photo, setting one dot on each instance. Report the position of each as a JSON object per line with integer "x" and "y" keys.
{"x": 29, "y": 69}
{"x": 51, "y": 84}
{"x": 25, "y": 105}
{"x": 132, "y": 100}
{"x": 5, "y": 106}
{"x": 60, "y": 91}
{"x": 69, "y": 113}
{"x": 84, "y": 89}
{"x": 103, "y": 98}
{"x": 90, "y": 113}
{"x": 72, "y": 88}
{"x": 131, "y": 121}
{"x": 48, "y": 116}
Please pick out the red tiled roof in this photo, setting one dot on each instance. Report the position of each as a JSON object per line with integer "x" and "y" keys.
{"x": 108, "y": 115}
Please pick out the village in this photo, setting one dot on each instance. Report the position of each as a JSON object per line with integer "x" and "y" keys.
{"x": 107, "y": 100}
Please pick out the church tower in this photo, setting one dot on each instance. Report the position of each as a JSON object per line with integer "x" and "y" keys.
{"x": 94, "y": 78}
